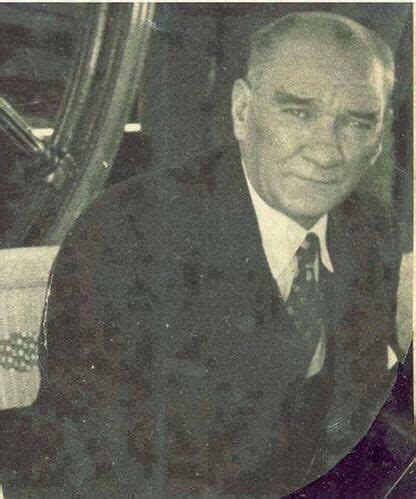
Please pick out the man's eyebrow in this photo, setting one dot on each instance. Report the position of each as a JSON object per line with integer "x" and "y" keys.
{"x": 365, "y": 115}
{"x": 281, "y": 97}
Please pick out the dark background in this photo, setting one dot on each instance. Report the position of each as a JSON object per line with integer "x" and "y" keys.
{"x": 195, "y": 53}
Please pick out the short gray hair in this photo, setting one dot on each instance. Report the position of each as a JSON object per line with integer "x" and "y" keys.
{"x": 344, "y": 30}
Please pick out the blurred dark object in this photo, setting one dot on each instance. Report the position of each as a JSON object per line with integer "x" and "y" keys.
{"x": 86, "y": 138}
{"x": 39, "y": 45}
{"x": 378, "y": 461}
{"x": 406, "y": 485}
{"x": 403, "y": 136}
{"x": 134, "y": 157}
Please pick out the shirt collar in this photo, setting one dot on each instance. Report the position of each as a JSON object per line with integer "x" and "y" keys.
{"x": 281, "y": 236}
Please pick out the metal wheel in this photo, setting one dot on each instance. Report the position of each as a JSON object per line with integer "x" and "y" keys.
{"x": 74, "y": 163}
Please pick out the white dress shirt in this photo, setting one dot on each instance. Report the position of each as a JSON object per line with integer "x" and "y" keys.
{"x": 281, "y": 237}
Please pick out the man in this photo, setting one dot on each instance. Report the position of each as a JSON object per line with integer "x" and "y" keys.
{"x": 225, "y": 330}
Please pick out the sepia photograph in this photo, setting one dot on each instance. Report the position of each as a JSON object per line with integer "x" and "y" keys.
{"x": 206, "y": 250}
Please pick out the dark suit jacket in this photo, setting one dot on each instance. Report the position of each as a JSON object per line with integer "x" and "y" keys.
{"x": 168, "y": 354}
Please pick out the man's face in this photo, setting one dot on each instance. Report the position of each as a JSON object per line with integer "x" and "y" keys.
{"x": 310, "y": 126}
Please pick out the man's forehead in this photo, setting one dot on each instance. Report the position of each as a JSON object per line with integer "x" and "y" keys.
{"x": 323, "y": 53}
{"x": 312, "y": 69}
{"x": 319, "y": 39}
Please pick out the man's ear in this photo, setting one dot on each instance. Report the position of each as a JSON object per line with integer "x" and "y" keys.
{"x": 241, "y": 97}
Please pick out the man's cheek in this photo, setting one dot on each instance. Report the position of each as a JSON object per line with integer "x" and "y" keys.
{"x": 364, "y": 155}
{"x": 262, "y": 135}
{"x": 352, "y": 176}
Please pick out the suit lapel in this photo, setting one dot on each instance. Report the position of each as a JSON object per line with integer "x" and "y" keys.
{"x": 236, "y": 224}
{"x": 260, "y": 330}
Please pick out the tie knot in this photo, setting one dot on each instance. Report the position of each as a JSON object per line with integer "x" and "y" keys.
{"x": 308, "y": 250}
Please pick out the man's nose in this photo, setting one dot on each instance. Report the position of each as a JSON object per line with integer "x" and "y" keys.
{"x": 325, "y": 148}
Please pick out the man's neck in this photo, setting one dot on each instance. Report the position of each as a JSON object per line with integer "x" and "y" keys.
{"x": 305, "y": 222}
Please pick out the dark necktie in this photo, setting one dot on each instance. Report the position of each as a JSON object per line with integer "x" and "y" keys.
{"x": 305, "y": 303}
{"x": 304, "y": 407}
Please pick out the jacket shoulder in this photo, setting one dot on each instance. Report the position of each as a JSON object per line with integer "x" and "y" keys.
{"x": 202, "y": 171}
{"x": 109, "y": 216}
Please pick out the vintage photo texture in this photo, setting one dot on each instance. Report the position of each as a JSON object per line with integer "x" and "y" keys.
{"x": 206, "y": 250}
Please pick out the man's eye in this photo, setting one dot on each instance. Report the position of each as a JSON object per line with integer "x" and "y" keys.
{"x": 361, "y": 125}
{"x": 298, "y": 113}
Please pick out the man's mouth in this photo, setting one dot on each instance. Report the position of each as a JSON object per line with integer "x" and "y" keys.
{"x": 327, "y": 180}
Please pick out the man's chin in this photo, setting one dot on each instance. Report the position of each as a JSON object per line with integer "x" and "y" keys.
{"x": 308, "y": 216}
{"x": 316, "y": 204}
{"x": 307, "y": 206}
